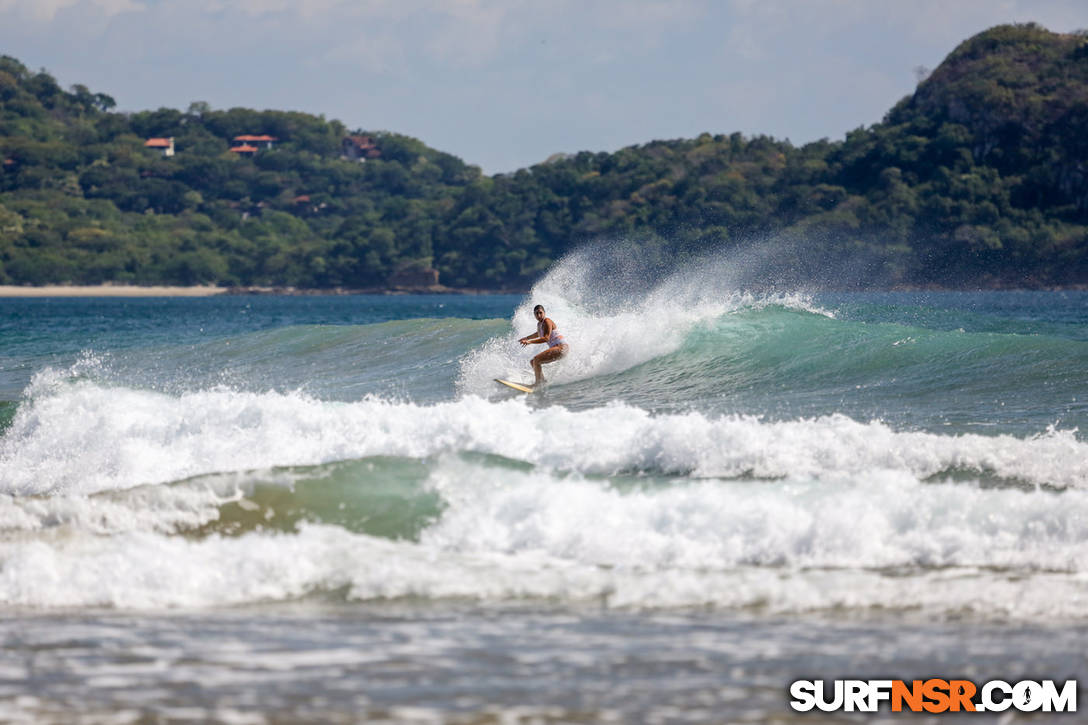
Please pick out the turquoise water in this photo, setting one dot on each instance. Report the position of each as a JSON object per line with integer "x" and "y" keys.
{"x": 725, "y": 471}
{"x": 1010, "y": 362}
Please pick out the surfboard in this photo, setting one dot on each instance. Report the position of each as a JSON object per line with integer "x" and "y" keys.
{"x": 515, "y": 386}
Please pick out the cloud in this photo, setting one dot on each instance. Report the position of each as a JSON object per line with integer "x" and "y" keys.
{"x": 471, "y": 32}
{"x": 384, "y": 36}
{"x": 649, "y": 22}
{"x": 507, "y": 82}
{"x": 307, "y": 10}
{"x": 45, "y": 11}
{"x": 932, "y": 22}
{"x": 387, "y": 36}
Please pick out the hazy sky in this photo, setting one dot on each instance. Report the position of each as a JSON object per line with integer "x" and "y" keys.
{"x": 506, "y": 83}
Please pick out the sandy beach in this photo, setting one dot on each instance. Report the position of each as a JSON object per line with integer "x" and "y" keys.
{"x": 116, "y": 290}
{"x": 108, "y": 291}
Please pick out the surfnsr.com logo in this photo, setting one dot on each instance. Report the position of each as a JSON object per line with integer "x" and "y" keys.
{"x": 933, "y": 696}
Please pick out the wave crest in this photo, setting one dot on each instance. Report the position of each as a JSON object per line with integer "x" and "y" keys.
{"x": 82, "y": 438}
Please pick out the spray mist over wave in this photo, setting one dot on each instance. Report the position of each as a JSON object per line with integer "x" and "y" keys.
{"x": 616, "y": 311}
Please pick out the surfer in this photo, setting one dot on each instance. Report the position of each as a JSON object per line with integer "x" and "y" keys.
{"x": 546, "y": 332}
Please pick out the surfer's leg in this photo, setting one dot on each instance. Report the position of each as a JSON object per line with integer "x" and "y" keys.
{"x": 536, "y": 362}
{"x": 550, "y": 355}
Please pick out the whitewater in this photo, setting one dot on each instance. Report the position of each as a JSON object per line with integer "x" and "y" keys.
{"x": 715, "y": 473}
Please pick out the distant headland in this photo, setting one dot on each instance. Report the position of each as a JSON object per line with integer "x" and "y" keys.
{"x": 979, "y": 179}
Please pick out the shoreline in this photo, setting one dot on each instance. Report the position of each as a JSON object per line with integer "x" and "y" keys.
{"x": 110, "y": 290}
{"x": 113, "y": 290}
{"x": 61, "y": 290}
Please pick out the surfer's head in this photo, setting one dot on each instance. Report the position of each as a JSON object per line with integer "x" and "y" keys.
{"x": 539, "y": 311}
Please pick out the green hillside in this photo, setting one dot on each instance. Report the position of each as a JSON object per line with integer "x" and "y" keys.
{"x": 980, "y": 178}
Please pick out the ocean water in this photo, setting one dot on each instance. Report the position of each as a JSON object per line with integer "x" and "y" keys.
{"x": 283, "y": 509}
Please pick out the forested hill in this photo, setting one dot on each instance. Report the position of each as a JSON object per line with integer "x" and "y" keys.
{"x": 980, "y": 178}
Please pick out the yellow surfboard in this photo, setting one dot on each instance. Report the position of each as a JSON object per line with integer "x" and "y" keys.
{"x": 515, "y": 386}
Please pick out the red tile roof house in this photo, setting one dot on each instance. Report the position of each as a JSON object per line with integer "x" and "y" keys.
{"x": 247, "y": 139}
{"x": 359, "y": 147}
{"x": 244, "y": 150}
{"x": 165, "y": 145}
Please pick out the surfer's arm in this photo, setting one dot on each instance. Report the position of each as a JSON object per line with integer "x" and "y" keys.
{"x": 537, "y": 339}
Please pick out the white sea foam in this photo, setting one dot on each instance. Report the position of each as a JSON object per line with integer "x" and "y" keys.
{"x": 879, "y": 521}
{"x": 883, "y": 539}
{"x": 149, "y": 570}
{"x": 81, "y": 438}
{"x": 145, "y": 508}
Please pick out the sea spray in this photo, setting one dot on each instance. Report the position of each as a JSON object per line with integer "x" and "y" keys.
{"x": 616, "y": 313}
